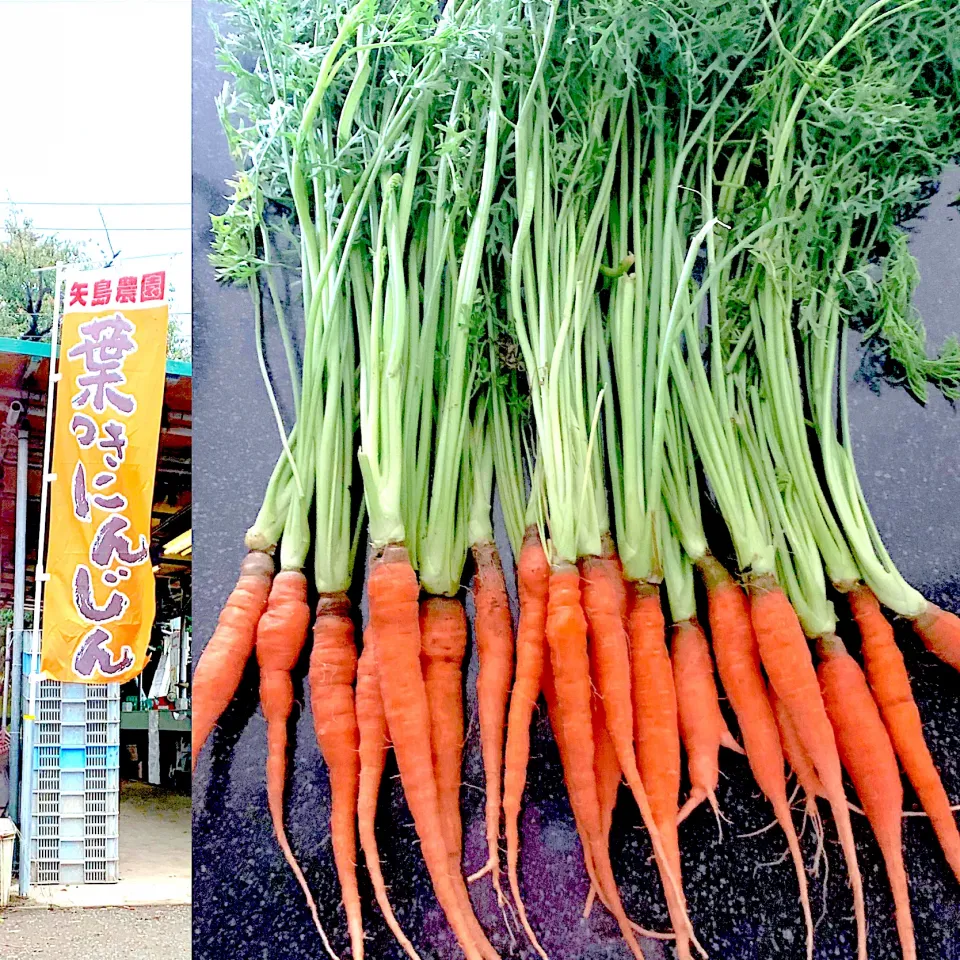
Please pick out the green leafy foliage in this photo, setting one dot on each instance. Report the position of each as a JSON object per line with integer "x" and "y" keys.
{"x": 26, "y": 289}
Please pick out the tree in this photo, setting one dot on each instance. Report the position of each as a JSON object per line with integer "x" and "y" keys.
{"x": 26, "y": 293}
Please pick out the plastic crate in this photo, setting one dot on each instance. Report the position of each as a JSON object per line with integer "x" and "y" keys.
{"x": 46, "y": 781}
{"x": 46, "y": 871}
{"x": 107, "y": 871}
{"x": 101, "y": 801}
{"x": 73, "y": 758}
{"x": 46, "y": 826}
{"x": 101, "y": 848}
{"x": 46, "y": 804}
{"x": 96, "y": 711}
{"x": 73, "y": 692}
{"x": 101, "y": 779}
{"x": 72, "y": 850}
{"x": 47, "y": 734}
{"x": 72, "y": 712}
{"x": 73, "y": 735}
{"x": 47, "y": 758}
{"x": 73, "y": 781}
{"x": 75, "y": 807}
{"x": 73, "y": 828}
{"x": 102, "y": 733}
{"x": 72, "y": 804}
{"x": 101, "y": 825}
{"x": 71, "y": 873}
{"x": 48, "y": 711}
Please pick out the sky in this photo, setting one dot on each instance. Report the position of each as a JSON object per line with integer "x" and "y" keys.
{"x": 95, "y": 119}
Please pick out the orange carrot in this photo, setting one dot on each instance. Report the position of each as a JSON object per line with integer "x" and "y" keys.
{"x": 569, "y": 659}
{"x": 607, "y": 773}
{"x": 657, "y": 733}
{"x": 494, "y": 632}
{"x": 796, "y": 754}
{"x": 606, "y": 770}
{"x": 738, "y": 663}
{"x": 602, "y": 584}
{"x": 868, "y": 757}
{"x": 533, "y": 573}
{"x": 443, "y": 643}
{"x": 576, "y": 806}
{"x": 372, "y": 726}
{"x": 281, "y": 635}
{"x": 333, "y": 669}
{"x": 393, "y": 591}
{"x": 887, "y": 676}
{"x": 786, "y": 657}
{"x": 940, "y": 632}
{"x": 702, "y": 727}
{"x": 221, "y": 665}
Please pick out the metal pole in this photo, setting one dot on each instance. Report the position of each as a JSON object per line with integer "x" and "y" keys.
{"x": 16, "y": 709}
{"x": 26, "y": 784}
{"x": 7, "y": 657}
{"x": 19, "y": 591}
{"x": 20, "y": 543}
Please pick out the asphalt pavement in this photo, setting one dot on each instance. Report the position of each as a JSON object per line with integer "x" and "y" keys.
{"x": 108, "y": 933}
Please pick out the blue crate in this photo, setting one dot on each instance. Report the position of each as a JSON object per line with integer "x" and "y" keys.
{"x": 105, "y": 756}
{"x": 73, "y": 758}
{"x": 75, "y": 808}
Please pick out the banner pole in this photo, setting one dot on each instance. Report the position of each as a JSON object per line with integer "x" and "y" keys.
{"x": 29, "y": 718}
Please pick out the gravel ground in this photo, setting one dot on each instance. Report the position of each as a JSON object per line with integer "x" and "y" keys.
{"x": 109, "y": 933}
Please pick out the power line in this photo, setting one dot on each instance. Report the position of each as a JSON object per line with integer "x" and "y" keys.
{"x": 91, "y": 203}
{"x": 39, "y": 229}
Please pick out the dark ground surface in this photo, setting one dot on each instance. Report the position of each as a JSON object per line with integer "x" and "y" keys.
{"x": 743, "y": 903}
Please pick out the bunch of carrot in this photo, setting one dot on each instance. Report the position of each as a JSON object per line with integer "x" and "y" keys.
{"x": 508, "y": 220}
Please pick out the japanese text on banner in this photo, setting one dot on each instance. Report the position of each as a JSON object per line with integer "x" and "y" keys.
{"x": 99, "y": 599}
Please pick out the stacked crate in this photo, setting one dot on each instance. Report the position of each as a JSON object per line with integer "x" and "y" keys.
{"x": 76, "y": 784}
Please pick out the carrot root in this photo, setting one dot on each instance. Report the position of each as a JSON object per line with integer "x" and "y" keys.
{"x": 868, "y": 756}
{"x": 738, "y": 664}
{"x": 495, "y": 649}
{"x": 786, "y": 656}
{"x": 570, "y": 663}
{"x": 940, "y": 632}
{"x": 532, "y": 579}
{"x": 281, "y": 636}
{"x": 333, "y": 669}
{"x": 888, "y": 679}
{"x": 372, "y": 726}
{"x": 221, "y": 665}
{"x": 393, "y": 593}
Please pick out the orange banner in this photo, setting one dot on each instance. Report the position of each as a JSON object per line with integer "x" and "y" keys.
{"x": 99, "y": 600}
